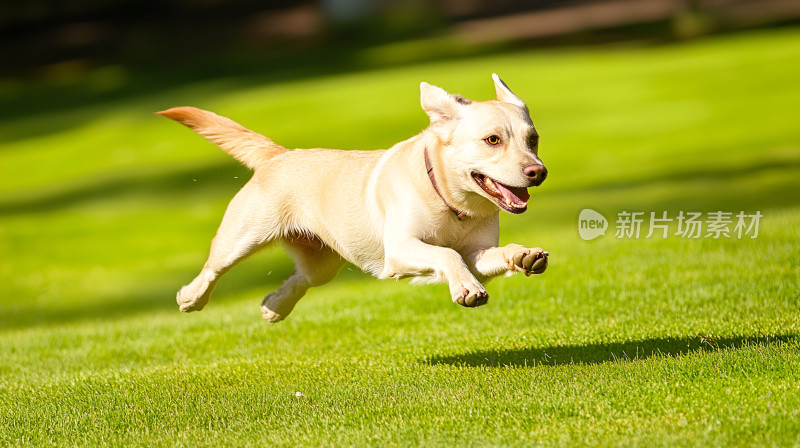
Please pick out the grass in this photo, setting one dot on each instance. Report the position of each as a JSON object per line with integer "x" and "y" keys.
{"x": 644, "y": 342}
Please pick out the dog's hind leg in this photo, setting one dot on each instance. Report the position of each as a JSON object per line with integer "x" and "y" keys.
{"x": 239, "y": 235}
{"x": 315, "y": 264}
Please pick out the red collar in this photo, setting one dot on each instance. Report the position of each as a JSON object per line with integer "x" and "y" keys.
{"x": 429, "y": 167}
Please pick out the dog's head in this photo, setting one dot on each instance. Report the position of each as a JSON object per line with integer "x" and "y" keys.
{"x": 490, "y": 148}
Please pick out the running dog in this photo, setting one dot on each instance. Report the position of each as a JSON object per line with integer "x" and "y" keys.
{"x": 426, "y": 208}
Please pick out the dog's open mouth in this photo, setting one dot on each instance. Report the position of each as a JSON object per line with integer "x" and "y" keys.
{"x": 512, "y": 199}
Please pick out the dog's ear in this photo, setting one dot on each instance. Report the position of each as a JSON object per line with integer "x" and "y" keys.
{"x": 504, "y": 94}
{"x": 437, "y": 103}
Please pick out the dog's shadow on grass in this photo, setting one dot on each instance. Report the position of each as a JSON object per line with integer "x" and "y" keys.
{"x": 591, "y": 354}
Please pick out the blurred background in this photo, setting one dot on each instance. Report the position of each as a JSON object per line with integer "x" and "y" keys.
{"x": 648, "y": 104}
{"x": 83, "y": 51}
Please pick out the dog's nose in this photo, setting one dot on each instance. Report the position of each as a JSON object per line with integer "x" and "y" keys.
{"x": 537, "y": 173}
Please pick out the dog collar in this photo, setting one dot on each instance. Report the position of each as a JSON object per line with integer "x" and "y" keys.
{"x": 429, "y": 167}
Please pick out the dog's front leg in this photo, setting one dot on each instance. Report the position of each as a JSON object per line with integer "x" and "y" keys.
{"x": 410, "y": 256}
{"x": 512, "y": 258}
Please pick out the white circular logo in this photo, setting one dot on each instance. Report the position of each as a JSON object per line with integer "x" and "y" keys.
{"x": 591, "y": 224}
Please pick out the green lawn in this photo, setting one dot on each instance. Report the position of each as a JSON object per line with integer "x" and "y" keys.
{"x": 622, "y": 342}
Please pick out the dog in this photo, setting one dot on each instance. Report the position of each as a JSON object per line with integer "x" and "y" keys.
{"x": 426, "y": 208}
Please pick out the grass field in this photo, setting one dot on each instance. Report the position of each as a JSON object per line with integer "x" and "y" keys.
{"x": 107, "y": 210}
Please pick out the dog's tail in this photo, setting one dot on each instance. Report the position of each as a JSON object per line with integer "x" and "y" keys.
{"x": 246, "y": 146}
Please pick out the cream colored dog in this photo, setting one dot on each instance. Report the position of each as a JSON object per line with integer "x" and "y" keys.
{"x": 426, "y": 208}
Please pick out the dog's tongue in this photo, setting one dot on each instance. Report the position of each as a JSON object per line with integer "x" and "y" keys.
{"x": 518, "y": 196}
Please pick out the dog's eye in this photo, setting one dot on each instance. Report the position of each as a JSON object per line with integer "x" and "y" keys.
{"x": 493, "y": 140}
{"x": 534, "y": 141}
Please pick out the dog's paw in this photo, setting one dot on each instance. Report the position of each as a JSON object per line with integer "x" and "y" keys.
{"x": 276, "y": 306}
{"x": 525, "y": 260}
{"x": 469, "y": 293}
{"x": 271, "y": 316}
{"x": 189, "y": 301}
